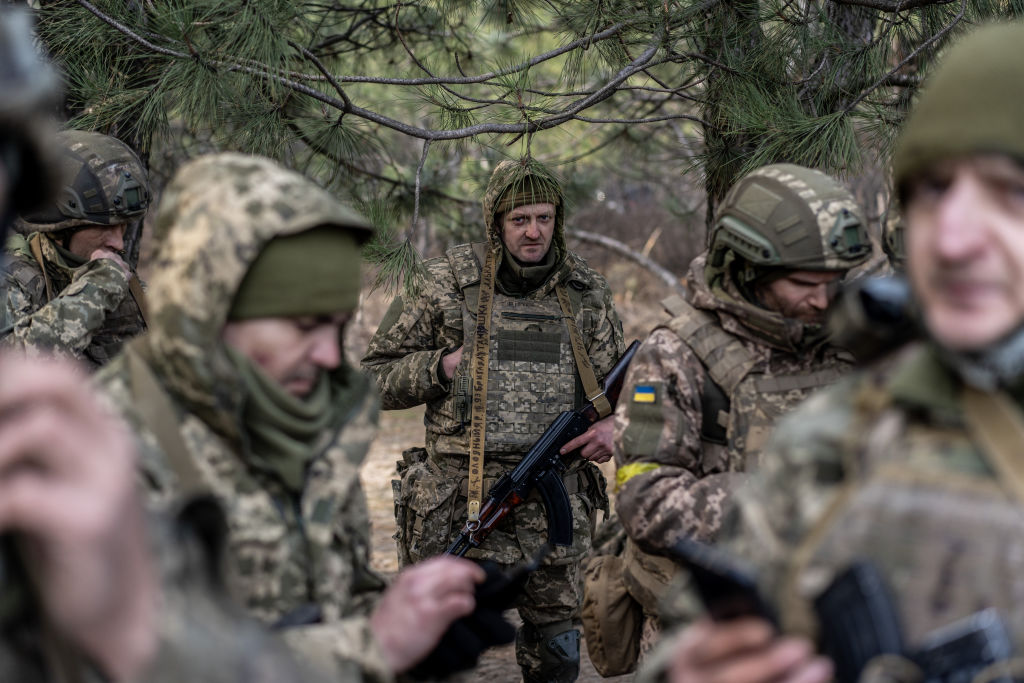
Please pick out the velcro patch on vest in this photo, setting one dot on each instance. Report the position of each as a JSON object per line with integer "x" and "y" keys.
{"x": 644, "y": 421}
{"x": 529, "y": 346}
{"x": 645, "y": 393}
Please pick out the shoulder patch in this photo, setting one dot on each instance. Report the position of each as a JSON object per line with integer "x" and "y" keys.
{"x": 645, "y": 393}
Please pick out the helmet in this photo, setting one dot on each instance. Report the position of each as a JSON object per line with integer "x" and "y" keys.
{"x": 893, "y": 239}
{"x": 104, "y": 184}
{"x": 29, "y": 88}
{"x": 789, "y": 216}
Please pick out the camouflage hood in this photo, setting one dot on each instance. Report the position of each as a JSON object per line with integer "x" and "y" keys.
{"x": 509, "y": 176}
{"x": 215, "y": 217}
{"x": 712, "y": 289}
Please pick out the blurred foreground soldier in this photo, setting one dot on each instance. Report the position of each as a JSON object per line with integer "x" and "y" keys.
{"x": 750, "y": 343}
{"x": 240, "y": 388}
{"x": 85, "y": 592}
{"x": 68, "y": 289}
{"x": 914, "y": 468}
{"x": 523, "y": 284}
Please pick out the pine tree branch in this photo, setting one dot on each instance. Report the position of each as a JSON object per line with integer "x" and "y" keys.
{"x": 416, "y": 196}
{"x": 906, "y": 60}
{"x": 893, "y": 5}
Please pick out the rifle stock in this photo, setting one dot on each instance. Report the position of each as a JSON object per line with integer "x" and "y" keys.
{"x": 542, "y": 467}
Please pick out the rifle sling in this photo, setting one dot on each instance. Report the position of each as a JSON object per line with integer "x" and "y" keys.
{"x": 37, "y": 251}
{"x": 478, "y": 373}
{"x": 998, "y": 426}
{"x": 593, "y": 390}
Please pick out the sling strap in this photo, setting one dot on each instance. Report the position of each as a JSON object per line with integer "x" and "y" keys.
{"x": 998, "y": 426}
{"x": 593, "y": 390}
{"x": 159, "y": 414}
{"x": 478, "y": 373}
{"x": 37, "y": 251}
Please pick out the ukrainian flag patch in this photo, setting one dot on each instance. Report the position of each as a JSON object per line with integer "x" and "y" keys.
{"x": 644, "y": 393}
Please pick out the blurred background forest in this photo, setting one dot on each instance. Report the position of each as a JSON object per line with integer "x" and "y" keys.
{"x": 648, "y": 109}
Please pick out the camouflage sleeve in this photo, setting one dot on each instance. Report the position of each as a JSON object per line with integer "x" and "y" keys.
{"x": 664, "y": 488}
{"x": 67, "y": 323}
{"x": 346, "y": 649}
{"x": 404, "y": 355}
{"x": 607, "y": 343}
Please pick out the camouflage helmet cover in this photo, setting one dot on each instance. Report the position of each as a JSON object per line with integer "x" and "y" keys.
{"x": 105, "y": 183}
{"x": 28, "y": 89}
{"x": 789, "y": 216}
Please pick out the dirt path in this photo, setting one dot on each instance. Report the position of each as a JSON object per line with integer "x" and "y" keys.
{"x": 399, "y": 430}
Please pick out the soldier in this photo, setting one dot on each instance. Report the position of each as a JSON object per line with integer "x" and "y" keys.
{"x": 68, "y": 288}
{"x": 89, "y": 588}
{"x": 524, "y": 283}
{"x": 703, "y": 391}
{"x": 240, "y": 389}
{"x": 914, "y": 465}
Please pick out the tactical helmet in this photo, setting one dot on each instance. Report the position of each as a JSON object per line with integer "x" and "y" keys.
{"x": 892, "y": 239}
{"x": 784, "y": 216}
{"x": 104, "y": 184}
{"x": 28, "y": 89}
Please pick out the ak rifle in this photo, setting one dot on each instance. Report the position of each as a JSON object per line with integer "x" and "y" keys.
{"x": 542, "y": 468}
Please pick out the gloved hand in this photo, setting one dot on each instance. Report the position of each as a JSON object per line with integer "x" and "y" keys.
{"x": 485, "y": 627}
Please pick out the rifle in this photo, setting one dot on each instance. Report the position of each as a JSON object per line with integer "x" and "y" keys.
{"x": 542, "y": 468}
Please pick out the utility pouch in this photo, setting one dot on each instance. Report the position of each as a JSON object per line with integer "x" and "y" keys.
{"x": 410, "y": 457}
{"x": 858, "y": 620}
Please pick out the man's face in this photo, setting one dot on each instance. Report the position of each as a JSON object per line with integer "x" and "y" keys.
{"x": 803, "y": 295}
{"x": 965, "y": 249}
{"x": 527, "y": 230}
{"x": 84, "y": 241}
{"x": 293, "y": 351}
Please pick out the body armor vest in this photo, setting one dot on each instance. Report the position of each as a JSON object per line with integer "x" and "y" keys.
{"x": 756, "y": 394}
{"x": 948, "y": 539}
{"x": 531, "y": 369}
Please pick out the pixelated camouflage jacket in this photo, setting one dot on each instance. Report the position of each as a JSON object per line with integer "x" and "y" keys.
{"x": 405, "y": 353}
{"x": 284, "y": 551}
{"x": 672, "y": 481}
{"x": 92, "y": 313}
{"x": 883, "y": 466}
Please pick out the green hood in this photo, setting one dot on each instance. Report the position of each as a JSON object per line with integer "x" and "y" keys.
{"x": 510, "y": 174}
{"x": 214, "y": 219}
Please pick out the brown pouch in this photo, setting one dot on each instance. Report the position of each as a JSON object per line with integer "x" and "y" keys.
{"x": 612, "y": 619}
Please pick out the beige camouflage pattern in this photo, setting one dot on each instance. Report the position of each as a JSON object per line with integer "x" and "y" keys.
{"x": 799, "y": 212}
{"x": 887, "y": 457}
{"x": 283, "y": 552}
{"x": 92, "y": 314}
{"x": 405, "y": 357}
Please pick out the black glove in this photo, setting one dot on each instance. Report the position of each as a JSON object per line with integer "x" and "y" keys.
{"x": 468, "y": 636}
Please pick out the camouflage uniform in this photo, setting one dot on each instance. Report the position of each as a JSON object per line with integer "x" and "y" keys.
{"x": 285, "y": 551}
{"x": 87, "y": 310}
{"x": 532, "y": 378}
{"x": 705, "y": 389}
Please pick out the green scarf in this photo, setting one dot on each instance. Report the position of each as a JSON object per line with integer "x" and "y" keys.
{"x": 518, "y": 279}
{"x": 283, "y": 430}
{"x": 71, "y": 261}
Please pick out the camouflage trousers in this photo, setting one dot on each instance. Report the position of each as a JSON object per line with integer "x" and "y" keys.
{"x": 430, "y": 508}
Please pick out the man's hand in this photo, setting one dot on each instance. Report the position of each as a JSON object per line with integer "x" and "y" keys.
{"x": 450, "y": 361}
{"x": 744, "y": 651}
{"x": 103, "y": 252}
{"x": 67, "y": 493}
{"x": 418, "y": 607}
{"x": 595, "y": 443}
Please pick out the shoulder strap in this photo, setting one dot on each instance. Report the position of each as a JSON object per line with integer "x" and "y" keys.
{"x": 159, "y": 414}
{"x": 727, "y": 360}
{"x": 135, "y": 288}
{"x": 478, "y": 372}
{"x": 35, "y": 244}
{"x": 998, "y": 426}
{"x": 579, "y": 351}
{"x": 675, "y": 305}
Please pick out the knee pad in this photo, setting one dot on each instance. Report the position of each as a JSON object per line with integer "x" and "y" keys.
{"x": 559, "y": 652}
